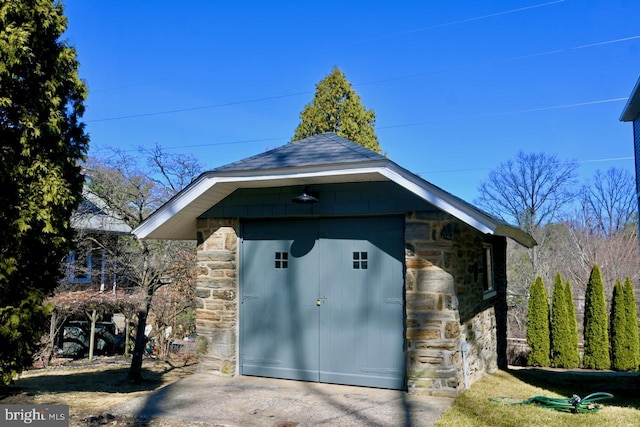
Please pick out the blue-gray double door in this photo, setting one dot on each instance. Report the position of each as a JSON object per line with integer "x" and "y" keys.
{"x": 322, "y": 300}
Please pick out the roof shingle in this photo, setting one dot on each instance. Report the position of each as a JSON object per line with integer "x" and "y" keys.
{"x": 323, "y": 149}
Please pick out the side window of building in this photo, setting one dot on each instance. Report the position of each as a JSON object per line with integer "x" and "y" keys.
{"x": 488, "y": 284}
{"x": 79, "y": 264}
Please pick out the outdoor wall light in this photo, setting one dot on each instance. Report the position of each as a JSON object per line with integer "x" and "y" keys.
{"x": 307, "y": 197}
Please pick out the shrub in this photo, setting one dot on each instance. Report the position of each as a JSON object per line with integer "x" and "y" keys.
{"x": 560, "y": 326}
{"x": 538, "y": 325}
{"x": 622, "y": 358}
{"x": 596, "y": 324}
{"x": 574, "y": 355}
{"x": 632, "y": 322}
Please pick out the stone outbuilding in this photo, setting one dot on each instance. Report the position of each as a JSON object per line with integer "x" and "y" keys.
{"x": 324, "y": 261}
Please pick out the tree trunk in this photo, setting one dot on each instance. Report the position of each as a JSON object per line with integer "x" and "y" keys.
{"x": 135, "y": 370}
{"x": 127, "y": 335}
{"x": 53, "y": 329}
{"x": 93, "y": 317}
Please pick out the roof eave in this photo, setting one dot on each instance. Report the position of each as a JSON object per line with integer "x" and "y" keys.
{"x": 632, "y": 109}
{"x": 158, "y": 224}
{"x": 459, "y": 208}
{"x": 256, "y": 178}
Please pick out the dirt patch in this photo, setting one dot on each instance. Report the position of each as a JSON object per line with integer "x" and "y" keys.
{"x": 92, "y": 389}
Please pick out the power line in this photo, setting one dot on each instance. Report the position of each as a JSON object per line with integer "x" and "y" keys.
{"x": 528, "y": 110}
{"x": 269, "y": 98}
{"x": 462, "y": 21}
{"x": 502, "y": 60}
{"x": 612, "y": 159}
{"x": 244, "y": 141}
{"x": 505, "y": 113}
{"x": 182, "y": 110}
{"x": 446, "y": 24}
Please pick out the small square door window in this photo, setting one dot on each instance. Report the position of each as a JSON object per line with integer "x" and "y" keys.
{"x": 360, "y": 260}
{"x": 282, "y": 260}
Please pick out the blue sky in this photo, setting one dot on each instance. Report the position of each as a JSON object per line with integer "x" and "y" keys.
{"x": 457, "y": 86}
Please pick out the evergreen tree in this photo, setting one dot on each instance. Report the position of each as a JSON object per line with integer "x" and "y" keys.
{"x": 632, "y": 322}
{"x": 538, "y": 325}
{"x": 560, "y": 326}
{"x": 41, "y": 103}
{"x": 596, "y": 324}
{"x": 621, "y": 357}
{"x": 573, "y": 358}
{"x": 336, "y": 107}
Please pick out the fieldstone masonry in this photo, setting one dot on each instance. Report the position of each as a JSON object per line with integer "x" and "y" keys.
{"x": 443, "y": 291}
{"x": 445, "y": 305}
{"x": 217, "y": 294}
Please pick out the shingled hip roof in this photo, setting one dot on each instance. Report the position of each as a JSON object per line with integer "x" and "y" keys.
{"x": 320, "y": 159}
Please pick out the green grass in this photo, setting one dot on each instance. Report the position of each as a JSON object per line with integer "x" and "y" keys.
{"x": 473, "y": 407}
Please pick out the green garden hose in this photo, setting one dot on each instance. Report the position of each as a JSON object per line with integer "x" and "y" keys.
{"x": 574, "y": 405}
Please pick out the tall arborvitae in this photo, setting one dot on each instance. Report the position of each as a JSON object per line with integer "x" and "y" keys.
{"x": 538, "y": 325}
{"x": 560, "y": 332}
{"x": 596, "y": 324}
{"x": 573, "y": 358}
{"x": 622, "y": 358}
{"x": 632, "y": 322}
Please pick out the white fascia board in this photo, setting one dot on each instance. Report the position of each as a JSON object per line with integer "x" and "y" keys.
{"x": 367, "y": 171}
{"x": 172, "y": 207}
{"x": 455, "y": 207}
{"x": 440, "y": 199}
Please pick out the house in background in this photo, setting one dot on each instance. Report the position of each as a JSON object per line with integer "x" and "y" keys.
{"x": 97, "y": 232}
{"x": 631, "y": 113}
{"x": 324, "y": 261}
{"x": 90, "y": 269}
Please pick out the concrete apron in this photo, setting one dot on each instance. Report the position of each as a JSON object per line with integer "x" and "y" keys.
{"x": 252, "y": 401}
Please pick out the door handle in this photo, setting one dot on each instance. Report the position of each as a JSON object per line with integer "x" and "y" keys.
{"x": 320, "y": 300}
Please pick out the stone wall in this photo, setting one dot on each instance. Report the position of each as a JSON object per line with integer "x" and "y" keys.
{"x": 217, "y": 295}
{"x": 445, "y": 305}
{"x": 444, "y": 301}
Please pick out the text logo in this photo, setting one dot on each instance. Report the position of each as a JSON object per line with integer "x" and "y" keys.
{"x": 34, "y": 415}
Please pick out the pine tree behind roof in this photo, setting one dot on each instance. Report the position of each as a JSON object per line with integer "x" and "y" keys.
{"x": 336, "y": 107}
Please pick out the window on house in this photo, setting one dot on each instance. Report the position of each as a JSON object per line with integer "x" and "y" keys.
{"x": 79, "y": 263}
{"x": 488, "y": 284}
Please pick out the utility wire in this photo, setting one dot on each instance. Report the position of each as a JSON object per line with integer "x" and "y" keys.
{"x": 427, "y": 123}
{"x": 204, "y": 107}
{"x": 612, "y": 159}
{"x": 269, "y": 98}
{"x": 505, "y": 113}
{"x": 461, "y": 21}
{"x": 502, "y": 60}
{"x": 446, "y": 24}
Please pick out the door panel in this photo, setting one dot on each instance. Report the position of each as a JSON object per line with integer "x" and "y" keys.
{"x": 361, "y": 334}
{"x": 336, "y": 313}
{"x": 278, "y": 315}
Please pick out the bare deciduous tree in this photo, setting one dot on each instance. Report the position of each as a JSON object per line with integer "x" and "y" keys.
{"x": 133, "y": 190}
{"x": 531, "y": 191}
{"x": 600, "y": 230}
{"x": 608, "y": 201}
